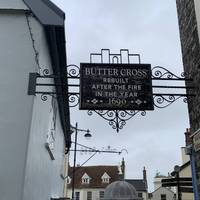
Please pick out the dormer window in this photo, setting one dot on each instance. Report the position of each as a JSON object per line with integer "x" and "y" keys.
{"x": 105, "y": 178}
{"x": 85, "y": 179}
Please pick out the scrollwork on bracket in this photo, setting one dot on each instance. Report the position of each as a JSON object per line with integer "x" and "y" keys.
{"x": 44, "y": 96}
{"x": 163, "y": 101}
{"x": 117, "y": 119}
{"x": 73, "y": 71}
{"x": 159, "y": 72}
{"x": 74, "y": 100}
{"x": 46, "y": 73}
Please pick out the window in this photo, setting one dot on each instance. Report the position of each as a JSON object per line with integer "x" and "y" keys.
{"x": 163, "y": 197}
{"x": 89, "y": 195}
{"x": 101, "y": 194}
{"x": 77, "y": 195}
{"x": 85, "y": 179}
{"x": 139, "y": 194}
{"x": 105, "y": 178}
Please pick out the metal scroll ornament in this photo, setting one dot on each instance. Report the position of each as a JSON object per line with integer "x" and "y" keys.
{"x": 44, "y": 95}
{"x": 117, "y": 119}
{"x": 164, "y": 100}
{"x": 73, "y": 71}
{"x": 74, "y": 100}
{"x": 159, "y": 73}
{"x": 73, "y": 74}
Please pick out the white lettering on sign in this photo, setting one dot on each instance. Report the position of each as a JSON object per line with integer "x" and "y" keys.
{"x": 94, "y": 71}
{"x": 101, "y": 87}
{"x": 134, "y": 72}
{"x": 116, "y": 80}
{"x": 116, "y": 86}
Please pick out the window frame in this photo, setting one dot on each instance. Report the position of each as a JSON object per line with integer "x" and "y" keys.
{"x": 89, "y": 195}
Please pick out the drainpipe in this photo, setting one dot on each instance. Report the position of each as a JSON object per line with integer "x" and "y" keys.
{"x": 194, "y": 179}
{"x": 190, "y": 151}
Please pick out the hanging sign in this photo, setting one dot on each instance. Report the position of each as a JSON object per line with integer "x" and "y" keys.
{"x": 115, "y": 86}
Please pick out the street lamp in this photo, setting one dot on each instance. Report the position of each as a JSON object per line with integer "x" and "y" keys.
{"x": 87, "y": 135}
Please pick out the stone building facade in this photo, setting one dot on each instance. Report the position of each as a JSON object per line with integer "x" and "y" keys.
{"x": 189, "y": 35}
{"x": 189, "y": 25}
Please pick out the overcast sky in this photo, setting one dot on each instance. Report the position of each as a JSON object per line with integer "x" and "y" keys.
{"x": 149, "y": 28}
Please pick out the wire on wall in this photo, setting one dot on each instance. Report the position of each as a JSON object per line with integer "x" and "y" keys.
{"x": 28, "y": 17}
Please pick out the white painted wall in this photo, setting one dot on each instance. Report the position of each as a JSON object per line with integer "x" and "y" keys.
{"x": 16, "y": 61}
{"x": 185, "y": 157}
{"x": 12, "y": 4}
{"x": 157, "y": 194}
{"x": 26, "y": 169}
{"x": 157, "y": 182}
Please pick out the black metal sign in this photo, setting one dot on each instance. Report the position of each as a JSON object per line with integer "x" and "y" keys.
{"x": 115, "y": 86}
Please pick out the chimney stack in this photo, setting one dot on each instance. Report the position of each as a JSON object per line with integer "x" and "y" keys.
{"x": 144, "y": 174}
{"x": 145, "y": 177}
{"x": 188, "y": 139}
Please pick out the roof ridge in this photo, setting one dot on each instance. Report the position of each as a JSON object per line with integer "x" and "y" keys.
{"x": 96, "y": 166}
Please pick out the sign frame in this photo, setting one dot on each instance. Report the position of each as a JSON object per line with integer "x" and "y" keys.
{"x": 102, "y": 86}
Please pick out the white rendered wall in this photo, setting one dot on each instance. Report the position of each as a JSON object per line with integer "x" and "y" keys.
{"x": 157, "y": 182}
{"x": 26, "y": 171}
{"x": 185, "y": 157}
{"x": 162, "y": 190}
{"x": 16, "y": 61}
{"x": 12, "y": 4}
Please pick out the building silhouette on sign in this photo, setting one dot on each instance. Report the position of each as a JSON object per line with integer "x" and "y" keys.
{"x": 34, "y": 133}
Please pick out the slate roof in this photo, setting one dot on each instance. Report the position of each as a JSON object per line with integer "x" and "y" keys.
{"x": 138, "y": 184}
{"x": 95, "y": 173}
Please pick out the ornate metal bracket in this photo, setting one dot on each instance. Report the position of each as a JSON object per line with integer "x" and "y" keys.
{"x": 73, "y": 75}
{"x": 117, "y": 118}
{"x": 33, "y": 84}
{"x": 163, "y": 100}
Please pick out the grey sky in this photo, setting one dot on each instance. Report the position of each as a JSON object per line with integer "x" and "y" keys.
{"x": 149, "y": 28}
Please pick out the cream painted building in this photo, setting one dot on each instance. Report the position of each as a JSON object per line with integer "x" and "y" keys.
{"x": 161, "y": 193}
{"x": 91, "y": 181}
